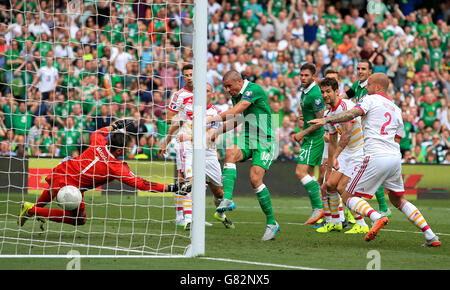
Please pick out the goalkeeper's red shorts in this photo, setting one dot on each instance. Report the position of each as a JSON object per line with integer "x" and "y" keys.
{"x": 56, "y": 183}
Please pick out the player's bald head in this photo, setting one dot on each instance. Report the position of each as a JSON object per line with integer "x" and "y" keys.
{"x": 381, "y": 79}
{"x": 232, "y": 75}
{"x": 377, "y": 83}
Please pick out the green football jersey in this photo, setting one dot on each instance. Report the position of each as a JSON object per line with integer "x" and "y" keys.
{"x": 22, "y": 122}
{"x": 311, "y": 101}
{"x": 258, "y": 116}
{"x": 69, "y": 142}
{"x": 430, "y": 112}
{"x": 359, "y": 90}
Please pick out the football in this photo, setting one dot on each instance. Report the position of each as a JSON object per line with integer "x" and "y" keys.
{"x": 69, "y": 197}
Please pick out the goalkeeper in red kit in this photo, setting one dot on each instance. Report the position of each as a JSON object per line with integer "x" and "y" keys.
{"x": 96, "y": 166}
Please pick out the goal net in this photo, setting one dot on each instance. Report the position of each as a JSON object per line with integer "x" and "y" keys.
{"x": 67, "y": 69}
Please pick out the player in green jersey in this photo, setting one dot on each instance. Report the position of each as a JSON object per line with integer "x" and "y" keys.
{"x": 311, "y": 138}
{"x": 357, "y": 91}
{"x": 257, "y": 141}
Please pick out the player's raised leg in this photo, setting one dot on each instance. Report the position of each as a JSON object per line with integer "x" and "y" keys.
{"x": 415, "y": 216}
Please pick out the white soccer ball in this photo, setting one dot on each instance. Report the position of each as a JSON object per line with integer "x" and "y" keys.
{"x": 69, "y": 197}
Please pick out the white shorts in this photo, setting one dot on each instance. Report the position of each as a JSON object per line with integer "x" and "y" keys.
{"x": 349, "y": 162}
{"x": 212, "y": 167}
{"x": 374, "y": 172}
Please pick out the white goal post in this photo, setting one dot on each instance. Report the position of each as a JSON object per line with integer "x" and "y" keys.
{"x": 121, "y": 221}
{"x": 199, "y": 136}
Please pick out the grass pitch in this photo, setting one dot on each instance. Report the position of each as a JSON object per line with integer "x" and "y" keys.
{"x": 136, "y": 226}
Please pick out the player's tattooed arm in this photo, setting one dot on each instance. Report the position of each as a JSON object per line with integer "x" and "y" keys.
{"x": 338, "y": 118}
{"x": 345, "y": 137}
{"x": 345, "y": 116}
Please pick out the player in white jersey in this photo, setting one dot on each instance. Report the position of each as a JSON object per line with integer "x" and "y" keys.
{"x": 383, "y": 128}
{"x": 183, "y": 204}
{"x": 345, "y": 215}
{"x": 343, "y": 155}
{"x": 212, "y": 166}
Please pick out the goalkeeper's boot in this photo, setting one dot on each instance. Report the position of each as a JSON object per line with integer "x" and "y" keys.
{"x": 330, "y": 227}
{"x": 226, "y": 204}
{"x": 377, "y": 226}
{"x": 316, "y": 215}
{"x": 270, "y": 232}
{"x": 224, "y": 219}
{"x": 349, "y": 216}
{"x": 187, "y": 225}
{"x": 357, "y": 229}
{"x": 24, "y": 216}
{"x": 434, "y": 242}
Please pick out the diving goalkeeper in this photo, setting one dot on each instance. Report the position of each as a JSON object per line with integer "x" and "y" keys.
{"x": 98, "y": 165}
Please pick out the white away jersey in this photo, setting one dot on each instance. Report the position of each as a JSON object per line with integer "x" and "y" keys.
{"x": 187, "y": 115}
{"x": 382, "y": 123}
{"x": 176, "y": 101}
{"x": 356, "y": 141}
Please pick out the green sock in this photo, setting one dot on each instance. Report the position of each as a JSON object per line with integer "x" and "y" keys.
{"x": 228, "y": 179}
{"x": 266, "y": 204}
{"x": 313, "y": 189}
{"x": 381, "y": 198}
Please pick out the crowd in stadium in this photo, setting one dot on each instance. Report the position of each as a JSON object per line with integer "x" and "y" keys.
{"x": 64, "y": 74}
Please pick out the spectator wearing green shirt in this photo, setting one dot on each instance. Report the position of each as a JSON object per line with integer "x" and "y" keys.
{"x": 13, "y": 61}
{"x": 44, "y": 142}
{"x": 429, "y": 109}
{"x": 22, "y": 116}
{"x": 44, "y": 44}
{"x": 406, "y": 142}
{"x": 248, "y": 24}
{"x": 69, "y": 139}
{"x": 436, "y": 50}
{"x": 417, "y": 154}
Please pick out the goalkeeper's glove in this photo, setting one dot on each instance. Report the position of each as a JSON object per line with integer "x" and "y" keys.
{"x": 123, "y": 123}
{"x": 183, "y": 187}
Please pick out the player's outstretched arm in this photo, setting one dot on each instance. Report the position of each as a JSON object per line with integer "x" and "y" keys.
{"x": 233, "y": 112}
{"x": 338, "y": 118}
{"x": 123, "y": 173}
{"x": 121, "y": 124}
{"x": 299, "y": 136}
